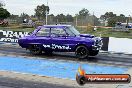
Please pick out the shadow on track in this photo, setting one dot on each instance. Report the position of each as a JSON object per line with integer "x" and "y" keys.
{"x": 66, "y": 56}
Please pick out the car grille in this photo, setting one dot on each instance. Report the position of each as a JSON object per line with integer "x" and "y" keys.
{"x": 98, "y": 42}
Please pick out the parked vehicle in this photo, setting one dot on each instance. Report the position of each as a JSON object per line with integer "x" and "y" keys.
{"x": 122, "y": 27}
{"x": 61, "y": 38}
{"x": 3, "y": 23}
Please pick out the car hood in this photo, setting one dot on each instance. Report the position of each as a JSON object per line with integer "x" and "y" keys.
{"x": 87, "y": 35}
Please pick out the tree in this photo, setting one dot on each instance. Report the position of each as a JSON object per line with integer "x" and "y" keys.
{"x": 69, "y": 18}
{"x": 40, "y": 11}
{"x": 3, "y": 13}
{"x": 14, "y": 16}
{"x": 122, "y": 15}
{"x": 113, "y": 18}
{"x": 24, "y": 15}
{"x": 1, "y": 4}
{"x": 112, "y": 22}
{"x": 83, "y": 12}
{"x": 107, "y": 15}
{"x": 61, "y": 18}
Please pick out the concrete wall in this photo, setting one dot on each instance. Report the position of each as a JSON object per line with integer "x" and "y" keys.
{"x": 123, "y": 45}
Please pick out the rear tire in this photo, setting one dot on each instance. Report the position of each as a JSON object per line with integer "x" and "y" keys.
{"x": 82, "y": 52}
{"x": 93, "y": 52}
{"x": 35, "y": 49}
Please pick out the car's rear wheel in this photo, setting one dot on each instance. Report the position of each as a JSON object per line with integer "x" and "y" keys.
{"x": 82, "y": 52}
{"x": 35, "y": 49}
{"x": 93, "y": 52}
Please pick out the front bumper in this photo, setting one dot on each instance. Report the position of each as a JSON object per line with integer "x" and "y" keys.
{"x": 94, "y": 47}
{"x": 97, "y": 43}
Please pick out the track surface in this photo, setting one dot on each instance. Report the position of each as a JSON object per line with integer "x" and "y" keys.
{"x": 111, "y": 59}
{"x": 14, "y": 83}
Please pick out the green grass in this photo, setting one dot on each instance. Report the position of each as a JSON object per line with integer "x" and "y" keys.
{"x": 18, "y": 29}
{"x": 107, "y": 33}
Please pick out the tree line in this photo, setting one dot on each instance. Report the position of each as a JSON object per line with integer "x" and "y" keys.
{"x": 114, "y": 18}
{"x": 83, "y": 16}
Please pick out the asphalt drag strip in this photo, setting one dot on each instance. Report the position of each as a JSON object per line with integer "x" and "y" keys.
{"x": 6, "y": 82}
{"x": 105, "y": 58}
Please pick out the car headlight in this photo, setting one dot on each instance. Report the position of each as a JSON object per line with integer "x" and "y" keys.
{"x": 98, "y": 41}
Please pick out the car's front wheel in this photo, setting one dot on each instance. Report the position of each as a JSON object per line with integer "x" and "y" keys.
{"x": 35, "y": 49}
{"x": 82, "y": 52}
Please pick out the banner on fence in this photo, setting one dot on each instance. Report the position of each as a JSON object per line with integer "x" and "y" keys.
{"x": 11, "y": 36}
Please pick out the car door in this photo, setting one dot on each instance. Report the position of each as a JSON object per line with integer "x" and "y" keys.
{"x": 43, "y": 38}
{"x": 60, "y": 41}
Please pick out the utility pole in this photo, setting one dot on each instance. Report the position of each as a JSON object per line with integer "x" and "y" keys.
{"x": 129, "y": 18}
{"x": 93, "y": 20}
{"x": 76, "y": 20}
{"x": 128, "y": 21}
{"x": 47, "y": 13}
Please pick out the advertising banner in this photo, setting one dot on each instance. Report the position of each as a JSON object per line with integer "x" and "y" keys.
{"x": 11, "y": 36}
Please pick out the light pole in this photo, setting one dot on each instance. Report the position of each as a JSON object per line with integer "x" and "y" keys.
{"x": 129, "y": 18}
{"x": 47, "y": 13}
{"x": 76, "y": 19}
{"x": 128, "y": 21}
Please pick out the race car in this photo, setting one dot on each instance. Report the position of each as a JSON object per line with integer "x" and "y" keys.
{"x": 61, "y": 38}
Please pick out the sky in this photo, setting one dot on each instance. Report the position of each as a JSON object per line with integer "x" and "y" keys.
{"x": 98, "y": 7}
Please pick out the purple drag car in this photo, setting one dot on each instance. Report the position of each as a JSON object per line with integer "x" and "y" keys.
{"x": 61, "y": 38}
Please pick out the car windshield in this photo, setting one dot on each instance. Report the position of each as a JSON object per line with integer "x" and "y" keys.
{"x": 72, "y": 31}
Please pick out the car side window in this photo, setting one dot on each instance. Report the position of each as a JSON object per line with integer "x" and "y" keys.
{"x": 69, "y": 32}
{"x": 58, "y": 32}
{"x": 43, "y": 32}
